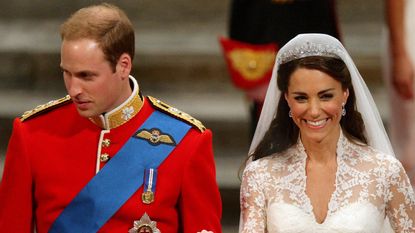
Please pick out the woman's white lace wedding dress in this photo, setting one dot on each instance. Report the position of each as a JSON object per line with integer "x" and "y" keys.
{"x": 370, "y": 186}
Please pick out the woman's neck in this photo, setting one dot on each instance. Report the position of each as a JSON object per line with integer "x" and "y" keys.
{"x": 323, "y": 151}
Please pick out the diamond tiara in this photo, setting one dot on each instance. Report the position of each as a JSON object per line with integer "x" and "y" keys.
{"x": 307, "y": 50}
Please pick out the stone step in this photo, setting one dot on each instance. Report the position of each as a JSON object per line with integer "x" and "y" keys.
{"x": 174, "y": 38}
{"x": 29, "y": 51}
{"x": 147, "y": 10}
{"x": 170, "y": 10}
{"x": 30, "y": 55}
{"x": 197, "y": 72}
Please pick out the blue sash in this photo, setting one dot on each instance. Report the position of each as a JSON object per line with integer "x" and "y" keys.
{"x": 119, "y": 179}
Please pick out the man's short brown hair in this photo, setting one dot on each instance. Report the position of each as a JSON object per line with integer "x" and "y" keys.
{"x": 106, "y": 24}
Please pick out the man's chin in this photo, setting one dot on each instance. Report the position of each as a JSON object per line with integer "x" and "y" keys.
{"x": 86, "y": 113}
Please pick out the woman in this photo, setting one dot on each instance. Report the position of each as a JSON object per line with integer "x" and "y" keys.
{"x": 322, "y": 161}
{"x": 399, "y": 79}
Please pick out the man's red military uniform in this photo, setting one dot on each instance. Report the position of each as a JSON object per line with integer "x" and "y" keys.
{"x": 54, "y": 153}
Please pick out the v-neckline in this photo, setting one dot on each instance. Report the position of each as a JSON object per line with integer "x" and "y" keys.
{"x": 333, "y": 194}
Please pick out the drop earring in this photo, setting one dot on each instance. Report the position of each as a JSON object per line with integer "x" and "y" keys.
{"x": 343, "y": 110}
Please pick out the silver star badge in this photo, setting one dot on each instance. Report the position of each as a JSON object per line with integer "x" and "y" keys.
{"x": 144, "y": 225}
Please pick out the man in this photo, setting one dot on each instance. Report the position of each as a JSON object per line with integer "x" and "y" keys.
{"x": 105, "y": 158}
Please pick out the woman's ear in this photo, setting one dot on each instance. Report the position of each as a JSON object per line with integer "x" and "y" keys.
{"x": 286, "y": 98}
{"x": 345, "y": 95}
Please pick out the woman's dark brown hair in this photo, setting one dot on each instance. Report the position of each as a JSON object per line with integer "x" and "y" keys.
{"x": 283, "y": 132}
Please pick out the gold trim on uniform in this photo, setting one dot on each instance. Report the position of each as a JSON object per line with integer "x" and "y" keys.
{"x": 122, "y": 115}
{"x": 43, "y": 107}
{"x": 126, "y": 113}
{"x": 176, "y": 113}
{"x": 252, "y": 64}
{"x": 144, "y": 225}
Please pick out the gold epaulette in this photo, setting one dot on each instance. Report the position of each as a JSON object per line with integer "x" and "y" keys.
{"x": 176, "y": 113}
{"x": 45, "y": 107}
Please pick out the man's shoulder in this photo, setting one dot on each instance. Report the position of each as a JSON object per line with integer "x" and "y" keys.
{"x": 44, "y": 108}
{"x": 174, "y": 112}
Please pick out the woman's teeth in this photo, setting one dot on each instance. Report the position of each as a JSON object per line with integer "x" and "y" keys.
{"x": 316, "y": 123}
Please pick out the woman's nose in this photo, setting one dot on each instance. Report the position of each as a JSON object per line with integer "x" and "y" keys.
{"x": 314, "y": 109}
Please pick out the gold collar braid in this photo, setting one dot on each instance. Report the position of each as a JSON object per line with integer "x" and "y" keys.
{"x": 122, "y": 113}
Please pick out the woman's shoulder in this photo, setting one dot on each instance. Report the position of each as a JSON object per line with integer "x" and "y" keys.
{"x": 269, "y": 163}
{"x": 368, "y": 154}
{"x": 258, "y": 164}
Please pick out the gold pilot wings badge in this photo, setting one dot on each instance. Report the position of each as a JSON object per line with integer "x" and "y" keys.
{"x": 155, "y": 137}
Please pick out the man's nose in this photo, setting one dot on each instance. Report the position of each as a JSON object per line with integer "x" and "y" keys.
{"x": 73, "y": 86}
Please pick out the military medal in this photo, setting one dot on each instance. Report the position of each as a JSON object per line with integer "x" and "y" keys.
{"x": 144, "y": 225}
{"x": 148, "y": 197}
{"x": 150, "y": 178}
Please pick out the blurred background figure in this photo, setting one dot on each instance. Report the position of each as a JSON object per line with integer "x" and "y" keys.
{"x": 400, "y": 80}
{"x": 260, "y": 22}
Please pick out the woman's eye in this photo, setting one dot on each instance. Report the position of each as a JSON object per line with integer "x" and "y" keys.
{"x": 300, "y": 98}
{"x": 326, "y": 96}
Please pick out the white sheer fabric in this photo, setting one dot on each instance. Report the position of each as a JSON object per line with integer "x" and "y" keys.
{"x": 369, "y": 186}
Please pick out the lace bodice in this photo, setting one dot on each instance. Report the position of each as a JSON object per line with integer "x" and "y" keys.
{"x": 369, "y": 187}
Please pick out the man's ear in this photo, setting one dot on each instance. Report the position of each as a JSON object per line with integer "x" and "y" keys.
{"x": 124, "y": 65}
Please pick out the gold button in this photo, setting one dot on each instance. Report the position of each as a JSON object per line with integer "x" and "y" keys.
{"x": 106, "y": 143}
{"x": 104, "y": 157}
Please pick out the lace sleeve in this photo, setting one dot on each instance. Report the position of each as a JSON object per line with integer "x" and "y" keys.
{"x": 253, "y": 207}
{"x": 400, "y": 200}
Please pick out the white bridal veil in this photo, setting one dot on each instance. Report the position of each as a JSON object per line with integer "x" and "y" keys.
{"x": 305, "y": 45}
